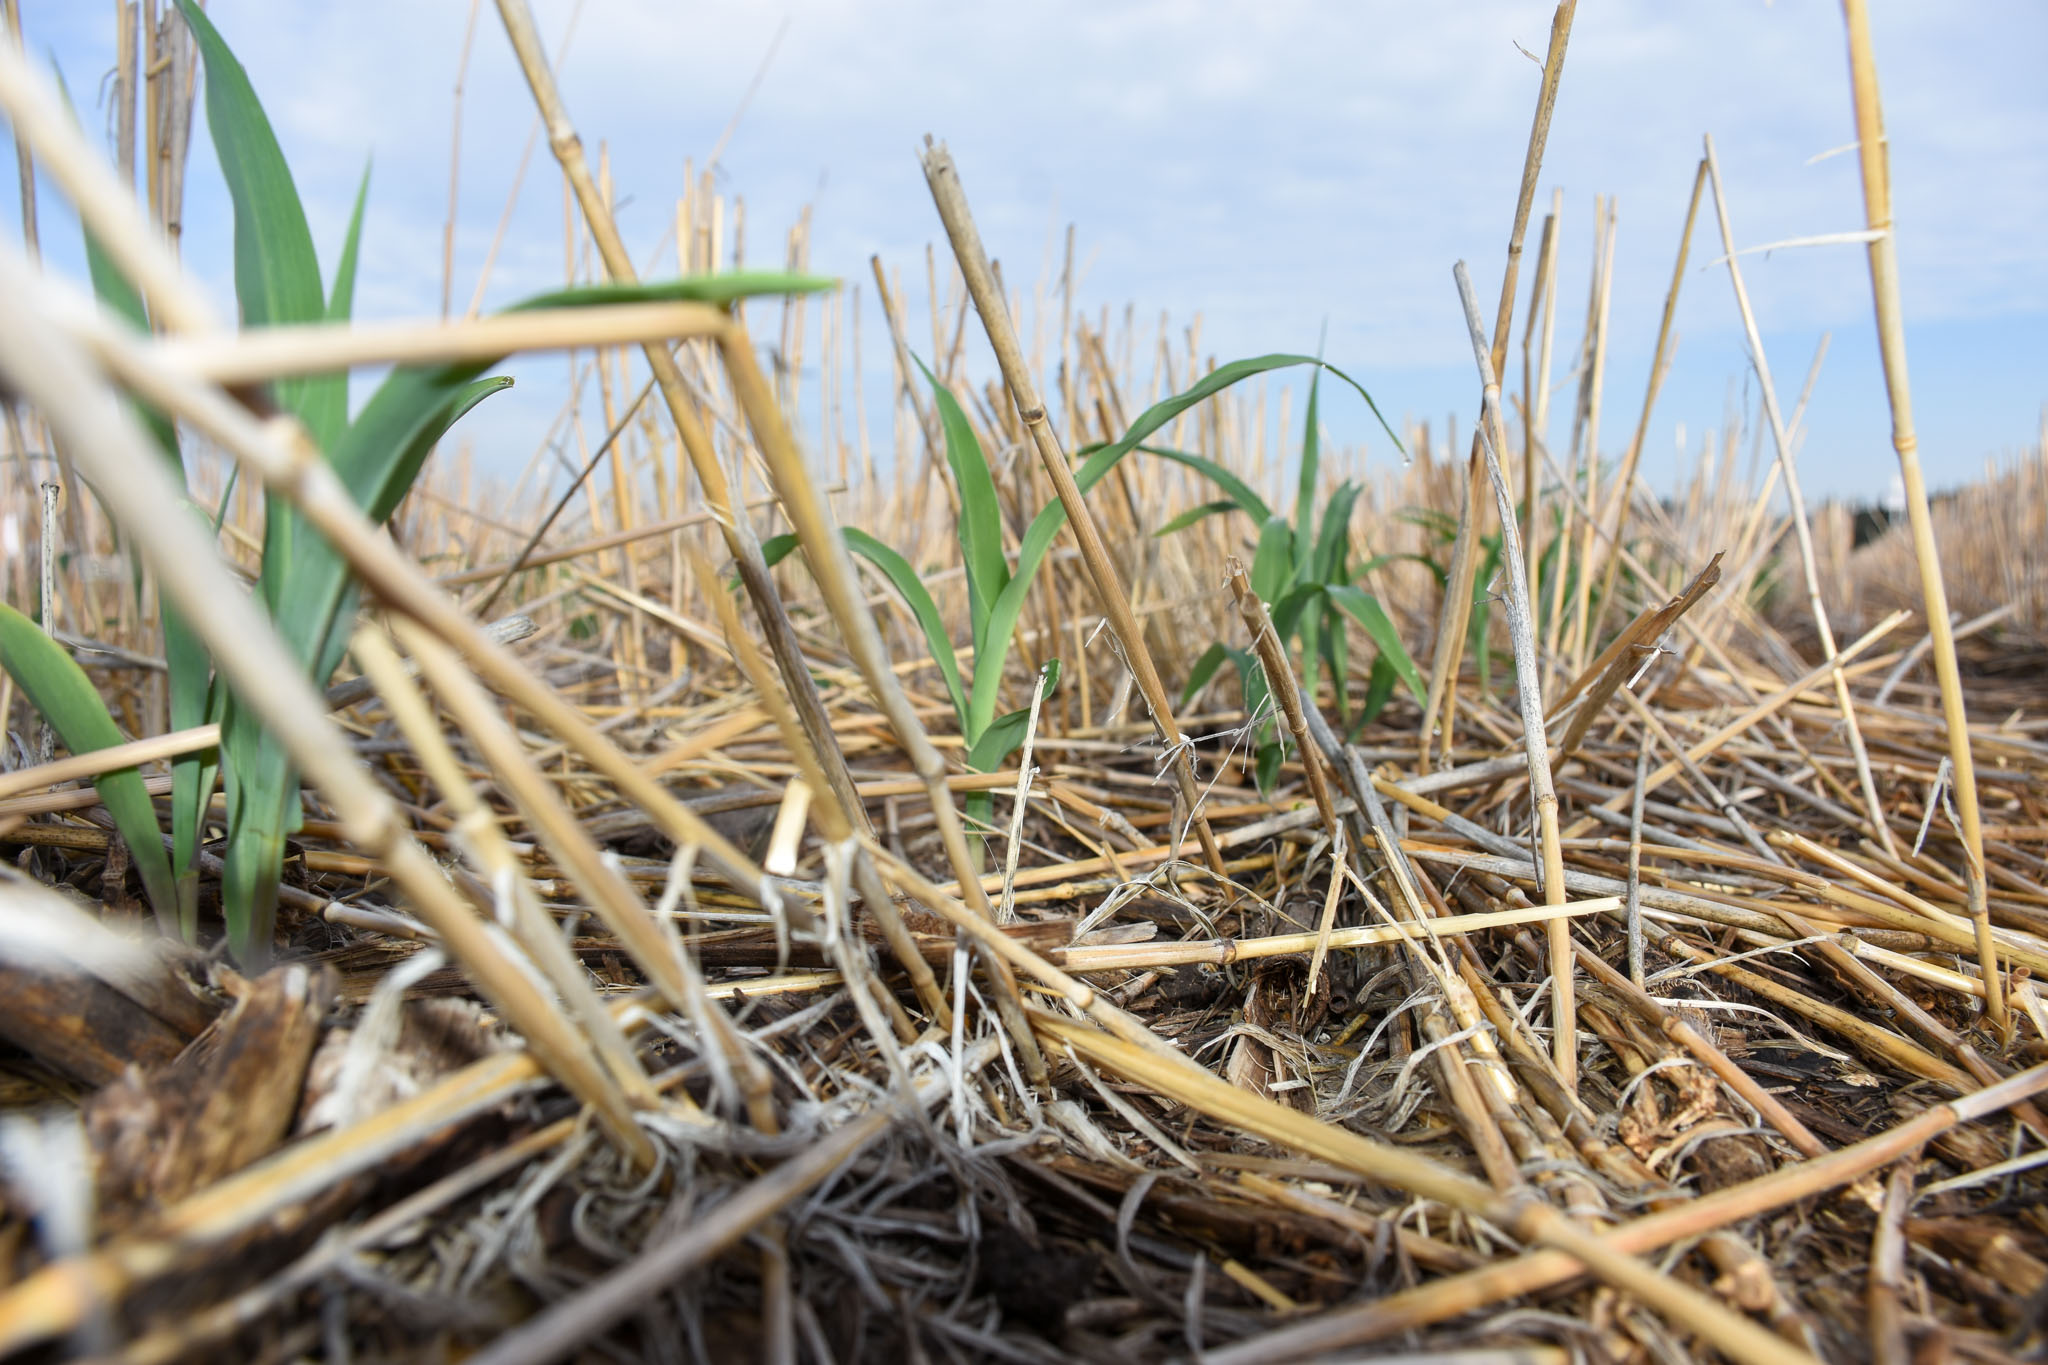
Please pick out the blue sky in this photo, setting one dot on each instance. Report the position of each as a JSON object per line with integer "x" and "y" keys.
{"x": 1273, "y": 166}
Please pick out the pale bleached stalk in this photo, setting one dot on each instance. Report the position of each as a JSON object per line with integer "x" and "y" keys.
{"x": 1449, "y": 650}
{"x": 1536, "y": 387}
{"x": 1873, "y": 807}
{"x": 44, "y": 365}
{"x": 99, "y": 762}
{"x": 912, "y": 389}
{"x": 455, "y": 161}
{"x": 128, "y": 18}
{"x": 1535, "y": 744}
{"x": 1578, "y": 502}
{"x": 1006, "y": 912}
{"x": 1885, "y": 1285}
{"x": 174, "y": 63}
{"x": 1874, "y": 157}
{"x": 951, "y": 201}
{"x": 1660, "y": 360}
{"x": 238, "y": 358}
{"x": 1595, "y": 402}
{"x": 1446, "y": 653}
{"x": 1222, "y": 952}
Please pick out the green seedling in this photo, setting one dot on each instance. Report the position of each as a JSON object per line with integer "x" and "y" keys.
{"x": 997, "y": 592}
{"x": 304, "y": 583}
{"x": 990, "y": 739}
{"x": 1303, "y": 571}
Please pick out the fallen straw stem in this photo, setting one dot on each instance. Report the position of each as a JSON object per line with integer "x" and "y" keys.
{"x": 1526, "y": 1216}
{"x": 497, "y": 867}
{"x": 1768, "y": 706}
{"x": 1538, "y": 1271}
{"x": 833, "y": 821}
{"x": 1222, "y": 952}
{"x": 1624, "y": 657}
{"x": 99, "y": 762}
{"x": 547, "y": 815}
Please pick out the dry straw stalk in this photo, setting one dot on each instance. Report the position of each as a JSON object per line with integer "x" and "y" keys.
{"x": 1874, "y": 159}
{"x": 951, "y": 201}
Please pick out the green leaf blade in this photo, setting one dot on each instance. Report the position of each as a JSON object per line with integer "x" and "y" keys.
{"x": 1274, "y": 563}
{"x": 981, "y": 516}
{"x": 1005, "y": 734}
{"x": 904, "y": 578}
{"x": 1365, "y": 609}
{"x": 732, "y": 286}
{"x": 1193, "y": 515}
{"x": 1240, "y": 492}
{"x": 1333, "y": 543}
{"x": 1045, "y": 527}
{"x": 1379, "y": 688}
{"x": 1311, "y": 468}
{"x": 277, "y": 272}
{"x": 1205, "y": 668}
{"x": 58, "y": 688}
{"x": 341, "y": 300}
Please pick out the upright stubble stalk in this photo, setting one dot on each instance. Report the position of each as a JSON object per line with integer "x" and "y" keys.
{"x": 1891, "y": 336}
